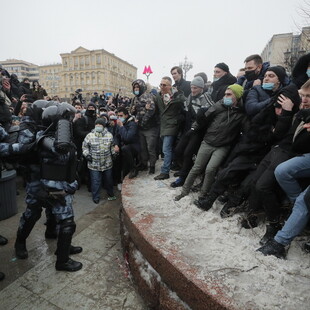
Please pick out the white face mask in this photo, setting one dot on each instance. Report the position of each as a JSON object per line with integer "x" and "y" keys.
{"x": 99, "y": 129}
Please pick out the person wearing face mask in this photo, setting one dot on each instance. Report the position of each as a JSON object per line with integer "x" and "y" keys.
{"x": 222, "y": 124}
{"x": 301, "y": 70}
{"x": 98, "y": 150}
{"x": 255, "y": 70}
{"x": 144, "y": 110}
{"x": 127, "y": 142}
{"x": 222, "y": 78}
{"x": 260, "y": 96}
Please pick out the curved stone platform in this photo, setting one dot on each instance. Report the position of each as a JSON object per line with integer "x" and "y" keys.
{"x": 183, "y": 258}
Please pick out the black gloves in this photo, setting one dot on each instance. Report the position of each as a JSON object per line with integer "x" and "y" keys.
{"x": 89, "y": 158}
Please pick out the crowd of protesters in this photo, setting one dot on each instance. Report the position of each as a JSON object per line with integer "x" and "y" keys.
{"x": 243, "y": 140}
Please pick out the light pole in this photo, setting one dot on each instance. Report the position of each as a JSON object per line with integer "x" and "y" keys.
{"x": 186, "y": 66}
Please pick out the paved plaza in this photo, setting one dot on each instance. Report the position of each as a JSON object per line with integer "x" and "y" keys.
{"x": 103, "y": 282}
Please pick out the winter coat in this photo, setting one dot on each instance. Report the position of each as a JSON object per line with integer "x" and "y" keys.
{"x": 128, "y": 133}
{"x": 99, "y": 145}
{"x": 24, "y": 88}
{"x": 147, "y": 118}
{"x": 219, "y": 87}
{"x": 257, "y": 99}
{"x": 223, "y": 124}
{"x": 183, "y": 86}
{"x": 39, "y": 93}
{"x": 171, "y": 115}
{"x": 193, "y": 105}
{"x": 299, "y": 75}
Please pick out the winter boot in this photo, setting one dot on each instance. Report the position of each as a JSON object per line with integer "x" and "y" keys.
{"x": 271, "y": 231}
{"x": 25, "y": 227}
{"x": 272, "y": 247}
{"x": 206, "y": 204}
{"x": 67, "y": 229}
{"x": 133, "y": 173}
{"x": 73, "y": 250}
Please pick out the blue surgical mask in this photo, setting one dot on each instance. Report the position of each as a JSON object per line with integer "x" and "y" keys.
{"x": 99, "y": 129}
{"x": 136, "y": 92}
{"x": 228, "y": 101}
{"x": 122, "y": 119}
{"x": 268, "y": 86}
{"x": 308, "y": 73}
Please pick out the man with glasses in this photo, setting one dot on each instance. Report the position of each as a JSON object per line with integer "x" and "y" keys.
{"x": 170, "y": 103}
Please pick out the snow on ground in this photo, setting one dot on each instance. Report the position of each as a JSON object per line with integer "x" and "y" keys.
{"x": 223, "y": 251}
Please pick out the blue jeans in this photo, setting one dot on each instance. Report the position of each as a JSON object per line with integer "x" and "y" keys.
{"x": 289, "y": 171}
{"x": 168, "y": 142}
{"x": 296, "y": 222}
{"x": 99, "y": 177}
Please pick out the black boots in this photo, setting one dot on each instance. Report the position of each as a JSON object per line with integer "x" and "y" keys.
{"x": 206, "y": 204}
{"x": 133, "y": 173}
{"x": 271, "y": 231}
{"x": 274, "y": 248}
{"x": 67, "y": 228}
{"x": 20, "y": 249}
{"x": 73, "y": 250}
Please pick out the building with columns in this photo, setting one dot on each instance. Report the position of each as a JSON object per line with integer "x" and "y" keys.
{"x": 95, "y": 70}
{"x": 90, "y": 70}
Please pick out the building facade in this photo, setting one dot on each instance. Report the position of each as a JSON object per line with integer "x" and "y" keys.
{"x": 285, "y": 49}
{"x": 21, "y": 68}
{"x": 95, "y": 70}
{"x": 89, "y": 70}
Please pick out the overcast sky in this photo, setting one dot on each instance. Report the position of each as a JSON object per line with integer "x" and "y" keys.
{"x": 159, "y": 33}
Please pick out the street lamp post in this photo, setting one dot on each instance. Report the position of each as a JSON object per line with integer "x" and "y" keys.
{"x": 186, "y": 66}
{"x": 147, "y": 71}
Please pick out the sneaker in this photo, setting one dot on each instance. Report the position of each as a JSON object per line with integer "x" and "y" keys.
{"x": 119, "y": 186}
{"x": 110, "y": 198}
{"x": 178, "y": 182}
{"x": 272, "y": 247}
{"x": 162, "y": 176}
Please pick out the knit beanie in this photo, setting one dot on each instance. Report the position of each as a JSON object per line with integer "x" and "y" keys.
{"x": 222, "y": 66}
{"x": 280, "y": 73}
{"x": 198, "y": 81}
{"x": 237, "y": 90}
{"x": 101, "y": 121}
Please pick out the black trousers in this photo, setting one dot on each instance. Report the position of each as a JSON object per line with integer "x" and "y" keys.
{"x": 265, "y": 189}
